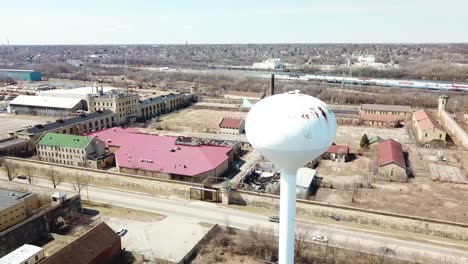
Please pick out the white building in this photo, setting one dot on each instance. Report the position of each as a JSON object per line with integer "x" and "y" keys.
{"x": 304, "y": 179}
{"x": 25, "y": 254}
{"x": 81, "y": 92}
{"x": 45, "y": 106}
{"x": 272, "y": 63}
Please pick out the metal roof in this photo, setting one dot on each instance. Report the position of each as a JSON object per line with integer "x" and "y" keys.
{"x": 390, "y": 151}
{"x": 425, "y": 121}
{"x": 37, "y": 129}
{"x": 21, "y": 254}
{"x": 231, "y": 122}
{"x": 64, "y": 140}
{"x": 305, "y": 176}
{"x": 338, "y": 149}
{"x": 386, "y": 108}
{"x": 11, "y": 142}
{"x": 378, "y": 117}
{"x": 75, "y": 92}
{"x": 46, "y": 101}
{"x": 160, "y": 153}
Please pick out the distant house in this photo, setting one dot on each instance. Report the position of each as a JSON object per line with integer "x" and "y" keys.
{"x": 304, "y": 181}
{"x": 244, "y": 95}
{"x": 401, "y": 111}
{"x": 383, "y": 120}
{"x": 232, "y": 125}
{"x": 427, "y": 128}
{"x": 337, "y": 153}
{"x": 391, "y": 161}
{"x": 99, "y": 245}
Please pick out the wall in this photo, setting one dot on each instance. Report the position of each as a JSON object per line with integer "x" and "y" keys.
{"x": 457, "y": 133}
{"x": 399, "y": 173}
{"x": 393, "y": 221}
{"x": 350, "y": 214}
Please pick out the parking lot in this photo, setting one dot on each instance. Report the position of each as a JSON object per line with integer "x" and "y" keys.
{"x": 170, "y": 239}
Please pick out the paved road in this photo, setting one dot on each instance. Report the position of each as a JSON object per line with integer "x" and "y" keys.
{"x": 339, "y": 236}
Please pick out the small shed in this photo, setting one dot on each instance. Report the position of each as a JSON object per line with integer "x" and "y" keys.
{"x": 338, "y": 153}
{"x": 304, "y": 181}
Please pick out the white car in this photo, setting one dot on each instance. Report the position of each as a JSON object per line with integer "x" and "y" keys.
{"x": 319, "y": 238}
{"x": 121, "y": 232}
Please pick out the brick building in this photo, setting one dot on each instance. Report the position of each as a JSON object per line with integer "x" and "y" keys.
{"x": 391, "y": 161}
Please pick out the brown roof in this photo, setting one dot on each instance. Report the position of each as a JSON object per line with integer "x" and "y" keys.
{"x": 87, "y": 248}
{"x": 425, "y": 121}
{"x": 378, "y": 117}
{"x": 338, "y": 149}
{"x": 246, "y": 94}
{"x": 229, "y": 122}
{"x": 386, "y": 108}
{"x": 390, "y": 151}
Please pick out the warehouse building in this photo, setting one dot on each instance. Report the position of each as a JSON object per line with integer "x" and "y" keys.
{"x": 391, "y": 161}
{"x": 45, "y": 106}
{"x": 72, "y": 150}
{"x": 244, "y": 95}
{"x": 382, "y": 120}
{"x": 15, "y": 207}
{"x": 78, "y": 125}
{"x": 165, "y": 157}
{"x": 21, "y": 75}
{"x": 81, "y": 92}
{"x": 427, "y": 128}
{"x": 232, "y": 126}
{"x": 401, "y": 111}
{"x": 99, "y": 245}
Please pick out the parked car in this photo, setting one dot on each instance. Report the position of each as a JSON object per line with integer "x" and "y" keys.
{"x": 274, "y": 219}
{"x": 336, "y": 218}
{"x": 122, "y": 231}
{"x": 319, "y": 238}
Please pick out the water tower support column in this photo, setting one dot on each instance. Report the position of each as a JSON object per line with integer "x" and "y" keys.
{"x": 287, "y": 218}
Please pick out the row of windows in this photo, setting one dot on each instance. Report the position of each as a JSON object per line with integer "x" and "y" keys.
{"x": 67, "y": 150}
{"x": 65, "y": 162}
{"x": 58, "y": 155}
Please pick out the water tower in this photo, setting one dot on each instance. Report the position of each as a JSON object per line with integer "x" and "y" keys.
{"x": 290, "y": 129}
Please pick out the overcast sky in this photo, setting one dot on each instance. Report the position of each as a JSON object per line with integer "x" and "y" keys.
{"x": 235, "y": 21}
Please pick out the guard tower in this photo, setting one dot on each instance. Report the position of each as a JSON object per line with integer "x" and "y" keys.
{"x": 443, "y": 100}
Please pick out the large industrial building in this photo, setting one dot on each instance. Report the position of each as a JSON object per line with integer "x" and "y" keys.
{"x": 15, "y": 207}
{"x": 21, "y": 75}
{"x": 391, "y": 161}
{"x": 167, "y": 157}
{"x": 81, "y": 92}
{"x": 45, "y": 106}
{"x": 78, "y": 125}
{"x": 427, "y": 128}
{"x": 72, "y": 150}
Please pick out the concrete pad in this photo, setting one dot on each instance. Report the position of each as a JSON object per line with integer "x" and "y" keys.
{"x": 170, "y": 239}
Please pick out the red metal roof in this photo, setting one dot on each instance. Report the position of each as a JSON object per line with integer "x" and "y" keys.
{"x": 378, "y": 117}
{"x": 425, "y": 120}
{"x": 230, "y": 122}
{"x": 153, "y": 153}
{"x": 390, "y": 151}
{"x": 338, "y": 149}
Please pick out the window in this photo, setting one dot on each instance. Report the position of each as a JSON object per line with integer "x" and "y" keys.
{"x": 391, "y": 173}
{"x": 36, "y": 257}
{"x": 440, "y": 136}
{"x": 425, "y": 135}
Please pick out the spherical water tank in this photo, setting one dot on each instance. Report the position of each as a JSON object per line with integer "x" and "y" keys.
{"x": 290, "y": 129}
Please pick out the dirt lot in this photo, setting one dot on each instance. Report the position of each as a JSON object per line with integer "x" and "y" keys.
{"x": 351, "y": 135}
{"x": 197, "y": 120}
{"x": 343, "y": 175}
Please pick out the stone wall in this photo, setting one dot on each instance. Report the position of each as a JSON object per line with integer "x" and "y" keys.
{"x": 457, "y": 133}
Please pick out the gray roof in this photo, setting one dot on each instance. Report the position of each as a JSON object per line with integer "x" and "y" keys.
{"x": 386, "y": 108}
{"x": 41, "y": 128}
{"x": 9, "y": 197}
{"x": 12, "y": 142}
{"x": 46, "y": 101}
{"x": 161, "y": 98}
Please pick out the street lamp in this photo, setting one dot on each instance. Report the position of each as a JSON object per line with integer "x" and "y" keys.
{"x": 290, "y": 129}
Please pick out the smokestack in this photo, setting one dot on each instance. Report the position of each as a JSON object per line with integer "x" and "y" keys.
{"x": 272, "y": 85}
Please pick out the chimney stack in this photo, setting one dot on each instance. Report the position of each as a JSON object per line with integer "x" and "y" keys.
{"x": 272, "y": 85}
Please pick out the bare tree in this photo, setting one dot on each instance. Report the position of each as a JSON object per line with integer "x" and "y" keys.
{"x": 10, "y": 169}
{"x": 54, "y": 177}
{"x": 301, "y": 246}
{"x": 79, "y": 183}
{"x": 29, "y": 171}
